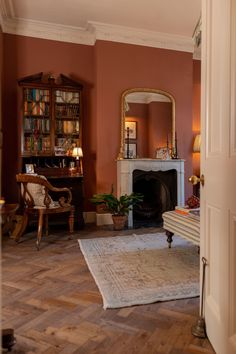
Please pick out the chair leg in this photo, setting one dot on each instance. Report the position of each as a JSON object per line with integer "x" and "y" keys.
{"x": 22, "y": 227}
{"x": 71, "y": 220}
{"x": 40, "y": 229}
{"x": 46, "y": 224}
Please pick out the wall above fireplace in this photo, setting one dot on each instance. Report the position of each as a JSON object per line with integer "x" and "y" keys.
{"x": 126, "y": 167}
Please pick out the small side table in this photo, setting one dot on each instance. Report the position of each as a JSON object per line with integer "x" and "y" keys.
{"x": 8, "y": 218}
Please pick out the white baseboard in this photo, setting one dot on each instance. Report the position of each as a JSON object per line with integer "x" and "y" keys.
{"x": 91, "y": 217}
{"x": 104, "y": 219}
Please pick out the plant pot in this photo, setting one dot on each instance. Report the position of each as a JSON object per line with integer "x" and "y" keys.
{"x": 119, "y": 221}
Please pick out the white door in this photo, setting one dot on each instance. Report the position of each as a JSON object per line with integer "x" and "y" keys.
{"x": 218, "y": 164}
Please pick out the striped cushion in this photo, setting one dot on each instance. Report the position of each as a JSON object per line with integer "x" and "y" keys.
{"x": 187, "y": 226}
{"x": 38, "y": 193}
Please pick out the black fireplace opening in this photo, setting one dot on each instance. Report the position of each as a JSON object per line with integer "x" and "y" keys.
{"x": 159, "y": 189}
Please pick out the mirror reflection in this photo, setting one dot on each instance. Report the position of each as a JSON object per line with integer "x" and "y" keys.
{"x": 147, "y": 124}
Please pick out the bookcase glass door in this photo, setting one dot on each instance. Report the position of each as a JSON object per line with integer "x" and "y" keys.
{"x": 36, "y": 121}
{"x": 67, "y": 120}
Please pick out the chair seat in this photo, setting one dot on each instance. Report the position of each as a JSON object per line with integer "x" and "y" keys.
{"x": 53, "y": 205}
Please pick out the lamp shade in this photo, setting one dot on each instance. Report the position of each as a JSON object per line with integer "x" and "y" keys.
{"x": 77, "y": 152}
{"x": 197, "y": 143}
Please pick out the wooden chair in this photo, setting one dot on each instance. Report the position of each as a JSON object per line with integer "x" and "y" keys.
{"x": 35, "y": 194}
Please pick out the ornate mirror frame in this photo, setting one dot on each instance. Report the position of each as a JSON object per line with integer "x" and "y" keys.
{"x": 123, "y": 111}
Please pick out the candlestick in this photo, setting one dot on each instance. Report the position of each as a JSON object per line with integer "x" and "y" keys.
{"x": 127, "y": 155}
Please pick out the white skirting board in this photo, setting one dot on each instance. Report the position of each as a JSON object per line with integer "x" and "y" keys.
{"x": 91, "y": 217}
{"x": 103, "y": 219}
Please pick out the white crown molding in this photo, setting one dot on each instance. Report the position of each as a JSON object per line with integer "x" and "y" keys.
{"x": 197, "y": 38}
{"x": 46, "y": 30}
{"x": 88, "y": 36}
{"x": 129, "y": 35}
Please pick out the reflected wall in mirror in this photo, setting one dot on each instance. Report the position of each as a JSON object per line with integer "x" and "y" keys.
{"x": 153, "y": 112}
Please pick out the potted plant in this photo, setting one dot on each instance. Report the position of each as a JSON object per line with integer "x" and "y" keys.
{"x": 118, "y": 207}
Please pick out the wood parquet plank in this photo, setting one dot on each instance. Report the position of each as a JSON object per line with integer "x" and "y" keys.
{"x": 52, "y": 302}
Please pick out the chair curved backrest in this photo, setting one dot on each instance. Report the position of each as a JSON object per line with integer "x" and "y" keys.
{"x": 35, "y": 191}
{"x": 35, "y": 194}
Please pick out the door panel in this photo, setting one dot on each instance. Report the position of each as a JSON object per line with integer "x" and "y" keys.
{"x": 213, "y": 255}
{"x": 232, "y": 280}
{"x": 218, "y": 164}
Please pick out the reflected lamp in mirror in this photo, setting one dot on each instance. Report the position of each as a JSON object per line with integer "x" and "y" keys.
{"x": 197, "y": 143}
{"x": 78, "y": 154}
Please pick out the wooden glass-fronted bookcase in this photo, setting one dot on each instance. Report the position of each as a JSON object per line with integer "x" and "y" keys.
{"x": 51, "y": 126}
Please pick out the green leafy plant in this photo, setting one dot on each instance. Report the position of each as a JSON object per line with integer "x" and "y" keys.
{"x": 117, "y": 206}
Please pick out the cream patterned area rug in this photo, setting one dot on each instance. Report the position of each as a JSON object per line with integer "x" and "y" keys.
{"x": 141, "y": 269}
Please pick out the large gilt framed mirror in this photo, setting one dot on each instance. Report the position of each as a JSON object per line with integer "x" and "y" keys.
{"x": 147, "y": 123}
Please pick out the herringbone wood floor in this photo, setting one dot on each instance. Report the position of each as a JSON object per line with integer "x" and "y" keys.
{"x": 52, "y": 302}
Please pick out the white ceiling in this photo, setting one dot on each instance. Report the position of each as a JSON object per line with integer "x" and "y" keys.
{"x": 84, "y": 21}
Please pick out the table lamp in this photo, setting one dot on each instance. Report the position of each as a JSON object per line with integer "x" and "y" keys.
{"x": 78, "y": 154}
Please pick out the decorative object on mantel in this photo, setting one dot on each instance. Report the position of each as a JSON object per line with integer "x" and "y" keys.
{"x": 174, "y": 152}
{"x": 141, "y": 269}
{"x": 127, "y": 155}
{"x": 118, "y": 207}
{"x": 161, "y": 153}
{"x": 167, "y": 157}
{"x": 167, "y": 153}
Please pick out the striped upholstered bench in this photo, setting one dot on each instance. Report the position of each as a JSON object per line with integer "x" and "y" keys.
{"x": 187, "y": 226}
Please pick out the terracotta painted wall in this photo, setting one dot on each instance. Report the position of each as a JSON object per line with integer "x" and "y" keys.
{"x": 25, "y": 56}
{"x": 107, "y": 69}
{"x": 122, "y": 66}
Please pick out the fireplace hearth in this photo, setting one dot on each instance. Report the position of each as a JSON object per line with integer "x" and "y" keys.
{"x": 160, "y": 194}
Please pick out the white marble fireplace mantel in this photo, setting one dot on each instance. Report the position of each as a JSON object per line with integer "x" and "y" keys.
{"x": 126, "y": 167}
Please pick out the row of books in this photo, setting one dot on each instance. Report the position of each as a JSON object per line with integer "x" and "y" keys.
{"x": 71, "y": 110}
{"x": 40, "y": 125}
{"x": 33, "y": 94}
{"x": 66, "y": 96}
{"x": 37, "y": 144}
{"x": 66, "y": 142}
{"x": 67, "y": 127}
{"x": 36, "y": 108}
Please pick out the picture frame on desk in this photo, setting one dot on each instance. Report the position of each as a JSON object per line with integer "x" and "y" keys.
{"x": 29, "y": 168}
